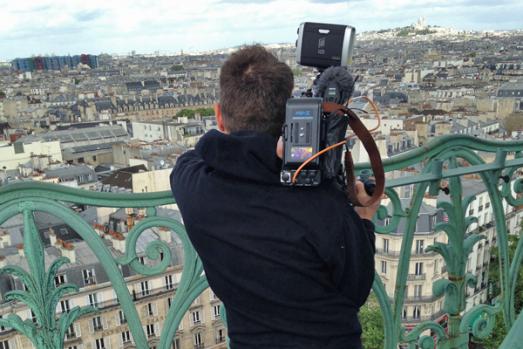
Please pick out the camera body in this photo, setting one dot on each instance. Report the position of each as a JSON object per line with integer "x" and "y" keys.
{"x": 302, "y": 136}
{"x": 307, "y": 129}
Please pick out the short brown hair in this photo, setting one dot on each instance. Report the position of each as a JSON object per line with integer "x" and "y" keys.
{"x": 254, "y": 88}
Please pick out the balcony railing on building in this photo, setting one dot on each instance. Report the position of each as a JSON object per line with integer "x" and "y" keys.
{"x": 444, "y": 163}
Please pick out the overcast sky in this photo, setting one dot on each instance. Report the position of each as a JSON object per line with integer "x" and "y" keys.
{"x": 113, "y": 26}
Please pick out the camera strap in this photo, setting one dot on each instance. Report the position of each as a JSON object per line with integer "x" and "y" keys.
{"x": 372, "y": 150}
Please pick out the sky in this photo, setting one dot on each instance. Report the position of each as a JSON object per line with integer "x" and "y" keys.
{"x": 61, "y": 27}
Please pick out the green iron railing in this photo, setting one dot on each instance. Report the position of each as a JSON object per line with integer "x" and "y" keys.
{"x": 446, "y": 158}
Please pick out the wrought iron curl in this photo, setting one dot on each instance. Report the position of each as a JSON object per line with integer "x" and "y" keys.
{"x": 480, "y": 320}
{"x": 383, "y": 213}
{"x": 414, "y": 336}
{"x": 508, "y": 186}
{"x": 156, "y": 250}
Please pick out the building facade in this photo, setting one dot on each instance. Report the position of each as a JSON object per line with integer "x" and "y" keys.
{"x": 54, "y": 62}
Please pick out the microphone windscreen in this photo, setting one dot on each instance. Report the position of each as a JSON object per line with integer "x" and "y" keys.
{"x": 338, "y": 76}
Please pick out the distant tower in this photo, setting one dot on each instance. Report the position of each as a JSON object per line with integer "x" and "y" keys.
{"x": 421, "y": 23}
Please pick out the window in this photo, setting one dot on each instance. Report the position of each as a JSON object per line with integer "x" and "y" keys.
{"x": 404, "y": 314}
{"x": 89, "y": 276}
{"x": 416, "y": 312}
{"x": 150, "y": 330}
{"x": 60, "y": 279}
{"x": 32, "y": 316}
{"x": 196, "y": 317}
{"x": 198, "y": 343}
{"x": 386, "y": 245}
{"x": 220, "y": 335}
{"x": 151, "y": 309}
{"x": 121, "y": 317}
{"x": 70, "y": 333}
{"x": 384, "y": 267}
{"x": 93, "y": 300}
{"x": 176, "y": 343}
{"x": 126, "y": 337}
{"x": 97, "y": 323}
{"x": 65, "y": 306}
{"x": 417, "y": 291}
{"x": 419, "y": 268}
{"x": 419, "y": 246}
{"x": 144, "y": 287}
{"x": 169, "y": 302}
{"x": 169, "y": 282}
{"x": 100, "y": 344}
{"x": 216, "y": 311}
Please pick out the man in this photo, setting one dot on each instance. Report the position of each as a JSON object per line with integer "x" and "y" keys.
{"x": 292, "y": 265}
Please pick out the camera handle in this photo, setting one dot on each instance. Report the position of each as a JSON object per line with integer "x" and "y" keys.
{"x": 372, "y": 149}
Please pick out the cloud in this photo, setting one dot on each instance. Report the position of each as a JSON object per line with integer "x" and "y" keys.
{"x": 117, "y": 26}
{"x": 88, "y": 16}
{"x": 243, "y": 1}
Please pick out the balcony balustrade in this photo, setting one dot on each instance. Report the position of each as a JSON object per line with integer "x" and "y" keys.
{"x": 416, "y": 277}
{"x": 448, "y": 159}
{"x": 397, "y": 254}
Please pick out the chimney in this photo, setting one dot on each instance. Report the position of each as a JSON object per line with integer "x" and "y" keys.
{"x": 118, "y": 241}
{"x": 67, "y": 250}
{"x": 99, "y": 229}
{"x": 52, "y": 237}
{"x": 165, "y": 234}
{"x": 20, "y": 248}
{"x": 5, "y": 239}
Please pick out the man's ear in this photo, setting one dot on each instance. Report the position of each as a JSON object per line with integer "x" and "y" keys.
{"x": 219, "y": 117}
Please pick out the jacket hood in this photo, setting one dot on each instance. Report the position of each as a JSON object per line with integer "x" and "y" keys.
{"x": 246, "y": 155}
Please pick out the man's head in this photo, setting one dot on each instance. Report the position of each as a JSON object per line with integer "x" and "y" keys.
{"x": 254, "y": 88}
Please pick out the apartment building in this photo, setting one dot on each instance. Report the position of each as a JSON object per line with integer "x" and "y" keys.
{"x": 427, "y": 267}
{"x": 107, "y": 327}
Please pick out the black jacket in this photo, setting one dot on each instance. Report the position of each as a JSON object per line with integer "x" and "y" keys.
{"x": 291, "y": 265}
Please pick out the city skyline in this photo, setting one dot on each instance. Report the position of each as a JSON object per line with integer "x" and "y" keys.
{"x": 61, "y": 28}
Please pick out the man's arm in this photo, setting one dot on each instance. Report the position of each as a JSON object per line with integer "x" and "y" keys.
{"x": 184, "y": 176}
{"x": 353, "y": 264}
{"x": 366, "y": 213}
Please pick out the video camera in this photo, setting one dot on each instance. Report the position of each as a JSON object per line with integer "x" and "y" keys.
{"x": 319, "y": 121}
{"x": 304, "y": 133}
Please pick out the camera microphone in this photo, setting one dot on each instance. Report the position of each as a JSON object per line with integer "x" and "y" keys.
{"x": 335, "y": 85}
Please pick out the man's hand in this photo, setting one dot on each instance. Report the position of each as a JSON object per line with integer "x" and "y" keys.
{"x": 361, "y": 194}
{"x": 279, "y": 148}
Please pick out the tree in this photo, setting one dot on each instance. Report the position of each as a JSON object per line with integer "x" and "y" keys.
{"x": 500, "y": 331}
{"x": 186, "y": 113}
{"x": 513, "y": 122}
{"x": 372, "y": 324}
{"x": 205, "y": 111}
